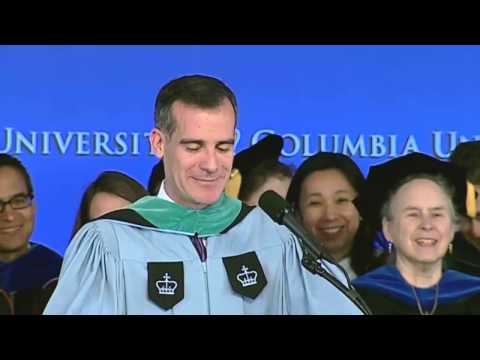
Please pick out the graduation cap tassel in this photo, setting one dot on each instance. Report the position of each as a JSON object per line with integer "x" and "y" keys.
{"x": 471, "y": 201}
{"x": 232, "y": 188}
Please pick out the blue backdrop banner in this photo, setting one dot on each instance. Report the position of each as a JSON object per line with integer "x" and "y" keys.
{"x": 70, "y": 112}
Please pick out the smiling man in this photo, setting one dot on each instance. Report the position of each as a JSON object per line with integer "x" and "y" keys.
{"x": 25, "y": 267}
{"x": 191, "y": 249}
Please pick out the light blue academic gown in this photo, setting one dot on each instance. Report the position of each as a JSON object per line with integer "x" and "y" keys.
{"x": 105, "y": 272}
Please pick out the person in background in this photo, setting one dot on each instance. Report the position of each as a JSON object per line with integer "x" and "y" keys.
{"x": 28, "y": 270}
{"x": 110, "y": 191}
{"x": 464, "y": 254}
{"x": 257, "y": 169}
{"x": 415, "y": 199}
{"x": 322, "y": 193}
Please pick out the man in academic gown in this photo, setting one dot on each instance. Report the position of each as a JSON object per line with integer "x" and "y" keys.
{"x": 192, "y": 249}
{"x": 27, "y": 269}
{"x": 464, "y": 254}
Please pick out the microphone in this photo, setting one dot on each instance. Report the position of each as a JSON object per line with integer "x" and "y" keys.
{"x": 280, "y": 211}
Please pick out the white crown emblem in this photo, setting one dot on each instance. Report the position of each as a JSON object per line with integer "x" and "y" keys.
{"x": 166, "y": 287}
{"x": 247, "y": 278}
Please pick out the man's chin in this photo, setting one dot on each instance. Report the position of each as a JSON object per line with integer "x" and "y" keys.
{"x": 12, "y": 249}
{"x": 208, "y": 200}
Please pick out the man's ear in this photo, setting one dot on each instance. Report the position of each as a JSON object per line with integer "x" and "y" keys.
{"x": 157, "y": 142}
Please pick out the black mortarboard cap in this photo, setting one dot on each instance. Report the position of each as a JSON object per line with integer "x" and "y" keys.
{"x": 385, "y": 177}
{"x": 268, "y": 148}
{"x": 467, "y": 155}
{"x": 469, "y": 149}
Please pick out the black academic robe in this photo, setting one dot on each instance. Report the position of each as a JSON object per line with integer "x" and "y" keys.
{"x": 387, "y": 293}
{"x": 30, "y": 280}
{"x": 464, "y": 257}
{"x": 6, "y": 306}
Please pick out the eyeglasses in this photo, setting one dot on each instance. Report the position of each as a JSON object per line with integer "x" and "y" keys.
{"x": 17, "y": 202}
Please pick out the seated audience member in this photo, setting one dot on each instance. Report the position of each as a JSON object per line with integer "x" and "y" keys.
{"x": 156, "y": 177}
{"x": 25, "y": 267}
{"x": 257, "y": 169}
{"x": 415, "y": 199}
{"x": 321, "y": 194}
{"x": 111, "y": 190}
{"x": 464, "y": 254}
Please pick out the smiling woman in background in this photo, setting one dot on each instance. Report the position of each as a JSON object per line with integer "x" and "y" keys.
{"x": 321, "y": 193}
{"x": 416, "y": 199}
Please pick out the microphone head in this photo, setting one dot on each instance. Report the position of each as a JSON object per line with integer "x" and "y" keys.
{"x": 274, "y": 206}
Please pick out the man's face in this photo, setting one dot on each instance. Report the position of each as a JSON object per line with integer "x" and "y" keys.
{"x": 198, "y": 156}
{"x": 16, "y": 226}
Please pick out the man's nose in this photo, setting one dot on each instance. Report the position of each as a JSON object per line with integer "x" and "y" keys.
{"x": 209, "y": 162}
{"x": 7, "y": 213}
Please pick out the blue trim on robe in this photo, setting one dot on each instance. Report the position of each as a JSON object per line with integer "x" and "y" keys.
{"x": 31, "y": 270}
{"x": 387, "y": 280}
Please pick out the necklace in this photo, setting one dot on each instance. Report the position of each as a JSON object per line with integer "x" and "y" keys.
{"x": 419, "y": 305}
